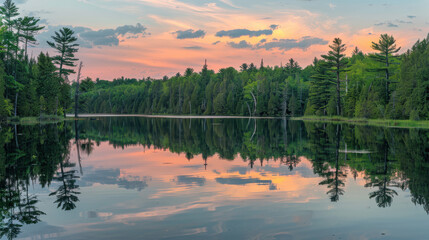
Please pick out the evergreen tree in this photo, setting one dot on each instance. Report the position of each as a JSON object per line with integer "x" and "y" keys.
{"x": 337, "y": 62}
{"x": 411, "y": 99}
{"x": 386, "y": 47}
{"x": 64, "y": 44}
{"x": 320, "y": 89}
{"x": 29, "y": 27}
{"x": 49, "y": 85}
{"x": 9, "y": 12}
{"x": 3, "y": 101}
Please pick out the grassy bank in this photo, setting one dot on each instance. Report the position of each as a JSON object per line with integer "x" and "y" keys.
{"x": 334, "y": 119}
{"x": 46, "y": 119}
{"x": 369, "y": 122}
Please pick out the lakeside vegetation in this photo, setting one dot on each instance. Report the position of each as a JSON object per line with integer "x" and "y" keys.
{"x": 378, "y": 85}
{"x": 31, "y": 87}
{"x": 43, "y": 119}
{"x": 369, "y": 122}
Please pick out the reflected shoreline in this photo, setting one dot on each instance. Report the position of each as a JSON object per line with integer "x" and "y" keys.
{"x": 388, "y": 160}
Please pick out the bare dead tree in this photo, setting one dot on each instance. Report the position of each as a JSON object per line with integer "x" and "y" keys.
{"x": 76, "y": 95}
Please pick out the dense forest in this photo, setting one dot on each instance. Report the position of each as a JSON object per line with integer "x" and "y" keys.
{"x": 380, "y": 84}
{"x": 374, "y": 85}
{"x": 33, "y": 86}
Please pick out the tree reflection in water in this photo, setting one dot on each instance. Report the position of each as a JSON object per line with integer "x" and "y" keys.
{"x": 389, "y": 160}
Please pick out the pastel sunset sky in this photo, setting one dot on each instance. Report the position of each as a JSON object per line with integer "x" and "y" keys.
{"x": 142, "y": 38}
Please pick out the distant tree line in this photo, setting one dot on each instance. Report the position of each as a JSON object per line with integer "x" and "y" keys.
{"x": 262, "y": 91}
{"x": 382, "y": 84}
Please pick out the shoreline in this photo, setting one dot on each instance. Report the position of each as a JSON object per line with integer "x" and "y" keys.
{"x": 389, "y": 123}
{"x": 168, "y": 116}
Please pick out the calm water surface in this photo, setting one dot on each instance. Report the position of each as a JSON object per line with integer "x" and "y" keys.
{"x": 141, "y": 178}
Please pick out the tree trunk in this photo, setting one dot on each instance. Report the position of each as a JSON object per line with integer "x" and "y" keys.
{"x": 338, "y": 93}
{"x": 26, "y": 45}
{"x": 285, "y": 100}
{"x": 76, "y": 129}
{"x": 347, "y": 83}
{"x": 56, "y": 106}
{"x": 248, "y": 107}
{"x": 76, "y": 95}
{"x": 387, "y": 77}
{"x": 16, "y": 103}
{"x": 255, "y": 102}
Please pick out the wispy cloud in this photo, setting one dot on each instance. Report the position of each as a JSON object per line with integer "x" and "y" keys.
{"x": 229, "y": 3}
{"x": 387, "y": 24}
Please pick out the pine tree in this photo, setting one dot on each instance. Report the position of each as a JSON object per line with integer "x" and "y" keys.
{"x": 412, "y": 95}
{"x": 29, "y": 27}
{"x": 9, "y": 11}
{"x": 3, "y": 110}
{"x": 48, "y": 83}
{"x": 320, "y": 89}
{"x": 65, "y": 44}
{"x": 337, "y": 63}
{"x": 386, "y": 47}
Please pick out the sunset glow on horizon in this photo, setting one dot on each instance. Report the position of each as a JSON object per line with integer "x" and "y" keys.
{"x": 153, "y": 38}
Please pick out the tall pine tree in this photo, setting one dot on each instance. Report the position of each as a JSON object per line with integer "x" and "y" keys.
{"x": 337, "y": 62}
{"x": 386, "y": 48}
{"x": 64, "y": 44}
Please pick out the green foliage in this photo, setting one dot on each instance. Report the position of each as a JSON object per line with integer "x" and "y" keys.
{"x": 386, "y": 48}
{"x": 260, "y": 92}
{"x": 28, "y": 28}
{"x": 3, "y": 101}
{"x": 42, "y": 103}
{"x": 412, "y": 92}
{"x": 321, "y": 88}
{"x": 414, "y": 115}
{"x": 86, "y": 85}
{"x": 337, "y": 62}
{"x": 24, "y": 81}
{"x": 49, "y": 85}
{"x": 65, "y": 45}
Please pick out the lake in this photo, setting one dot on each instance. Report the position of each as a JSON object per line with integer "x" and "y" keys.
{"x": 158, "y": 178}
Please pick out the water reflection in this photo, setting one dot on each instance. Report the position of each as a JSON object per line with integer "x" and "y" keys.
{"x": 28, "y": 154}
{"x": 290, "y": 157}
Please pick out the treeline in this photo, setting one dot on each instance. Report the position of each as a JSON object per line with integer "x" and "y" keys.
{"x": 33, "y": 86}
{"x": 262, "y": 91}
{"x": 381, "y": 84}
